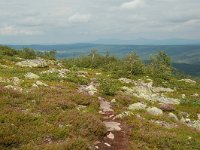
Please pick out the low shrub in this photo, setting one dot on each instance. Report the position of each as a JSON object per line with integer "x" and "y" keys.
{"x": 108, "y": 86}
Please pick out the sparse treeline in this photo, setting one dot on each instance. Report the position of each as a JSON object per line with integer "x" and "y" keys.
{"x": 130, "y": 65}
{"x": 159, "y": 65}
{"x": 26, "y": 53}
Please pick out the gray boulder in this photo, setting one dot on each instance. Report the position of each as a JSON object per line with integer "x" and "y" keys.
{"x": 31, "y": 75}
{"x": 155, "y": 111}
{"x": 137, "y": 106}
{"x": 173, "y": 116}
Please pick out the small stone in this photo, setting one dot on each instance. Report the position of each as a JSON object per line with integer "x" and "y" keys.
{"x": 187, "y": 120}
{"x": 183, "y": 96}
{"x": 113, "y": 101}
{"x": 105, "y": 106}
{"x": 98, "y": 74}
{"x": 167, "y": 107}
{"x": 155, "y": 111}
{"x": 195, "y": 95}
{"x": 111, "y": 136}
{"x": 182, "y": 120}
{"x": 107, "y": 144}
{"x": 173, "y": 116}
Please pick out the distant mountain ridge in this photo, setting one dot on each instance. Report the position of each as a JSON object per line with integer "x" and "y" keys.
{"x": 143, "y": 41}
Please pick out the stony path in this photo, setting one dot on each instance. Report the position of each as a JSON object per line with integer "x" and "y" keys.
{"x": 117, "y": 138}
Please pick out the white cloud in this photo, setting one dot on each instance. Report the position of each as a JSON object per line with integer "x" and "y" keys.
{"x": 10, "y": 30}
{"x": 79, "y": 18}
{"x": 132, "y": 4}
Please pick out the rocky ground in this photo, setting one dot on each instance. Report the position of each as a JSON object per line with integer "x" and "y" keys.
{"x": 45, "y": 105}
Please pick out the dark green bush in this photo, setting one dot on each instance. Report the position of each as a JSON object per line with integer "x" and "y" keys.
{"x": 74, "y": 78}
{"x": 5, "y": 50}
{"x": 108, "y": 87}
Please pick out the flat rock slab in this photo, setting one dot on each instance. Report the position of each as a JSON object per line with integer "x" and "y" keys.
{"x": 112, "y": 126}
{"x": 105, "y": 106}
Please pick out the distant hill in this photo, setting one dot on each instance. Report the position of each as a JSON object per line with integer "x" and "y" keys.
{"x": 143, "y": 41}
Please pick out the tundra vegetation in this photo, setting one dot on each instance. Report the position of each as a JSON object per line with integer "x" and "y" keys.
{"x": 52, "y": 104}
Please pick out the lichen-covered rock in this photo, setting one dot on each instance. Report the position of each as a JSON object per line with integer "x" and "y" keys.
{"x": 137, "y": 106}
{"x": 33, "y": 63}
{"x": 173, "y": 116}
{"x": 90, "y": 89}
{"x": 61, "y": 72}
{"x": 148, "y": 92}
{"x": 155, "y": 111}
{"x": 188, "y": 81}
{"x": 15, "y": 88}
{"x": 31, "y": 75}
{"x": 39, "y": 83}
{"x": 193, "y": 124}
{"x": 15, "y": 81}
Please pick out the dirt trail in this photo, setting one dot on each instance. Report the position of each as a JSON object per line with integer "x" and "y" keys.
{"x": 117, "y": 135}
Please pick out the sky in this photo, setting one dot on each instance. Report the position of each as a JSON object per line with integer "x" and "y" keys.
{"x": 75, "y": 21}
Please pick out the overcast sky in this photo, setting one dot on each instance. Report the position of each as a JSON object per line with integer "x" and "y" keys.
{"x": 71, "y": 21}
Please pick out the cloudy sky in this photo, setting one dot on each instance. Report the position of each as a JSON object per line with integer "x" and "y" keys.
{"x": 71, "y": 21}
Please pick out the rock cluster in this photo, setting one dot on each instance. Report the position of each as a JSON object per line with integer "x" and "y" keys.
{"x": 90, "y": 89}
{"x": 148, "y": 92}
{"x": 61, "y": 72}
{"x": 13, "y": 83}
{"x": 188, "y": 81}
{"x": 33, "y": 63}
